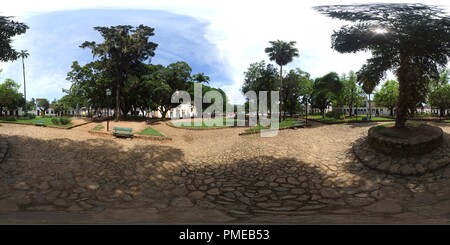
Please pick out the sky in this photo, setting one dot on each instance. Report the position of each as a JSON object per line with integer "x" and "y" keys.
{"x": 219, "y": 38}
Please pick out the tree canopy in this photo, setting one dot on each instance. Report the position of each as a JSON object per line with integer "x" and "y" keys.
{"x": 412, "y": 40}
{"x": 325, "y": 90}
{"x": 387, "y": 96}
{"x": 122, "y": 53}
{"x": 8, "y": 29}
{"x": 282, "y": 53}
{"x": 10, "y": 97}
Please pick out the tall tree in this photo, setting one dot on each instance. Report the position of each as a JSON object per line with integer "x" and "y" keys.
{"x": 43, "y": 105}
{"x": 439, "y": 97}
{"x": 200, "y": 78}
{"x": 260, "y": 77}
{"x": 173, "y": 78}
{"x": 410, "y": 39}
{"x": 293, "y": 89}
{"x": 8, "y": 29}
{"x": 387, "y": 96}
{"x": 122, "y": 51}
{"x": 282, "y": 53}
{"x": 10, "y": 97}
{"x": 351, "y": 92}
{"x": 24, "y": 54}
{"x": 325, "y": 90}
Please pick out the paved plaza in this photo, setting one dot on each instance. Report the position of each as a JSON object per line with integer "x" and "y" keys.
{"x": 308, "y": 175}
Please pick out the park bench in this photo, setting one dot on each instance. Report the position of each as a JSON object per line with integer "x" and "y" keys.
{"x": 39, "y": 123}
{"x": 122, "y": 132}
{"x": 365, "y": 119}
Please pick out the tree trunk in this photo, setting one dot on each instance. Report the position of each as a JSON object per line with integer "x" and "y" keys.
{"x": 391, "y": 112}
{"x": 370, "y": 109}
{"x": 404, "y": 92}
{"x": 281, "y": 92}
{"x": 306, "y": 121}
{"x": 117, "y": 102}
{"x": 24, "y": 84}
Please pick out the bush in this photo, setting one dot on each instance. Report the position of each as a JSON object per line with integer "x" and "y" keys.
{"x": 9, "y": 119}
{"x": 55, "y": 121}
{"x": 65, "y": 121}
{"x": 29, "y": 116}
{"x": 334, "y": 114}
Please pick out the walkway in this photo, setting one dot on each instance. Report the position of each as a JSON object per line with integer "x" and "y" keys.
{"x": 302, "y": 176}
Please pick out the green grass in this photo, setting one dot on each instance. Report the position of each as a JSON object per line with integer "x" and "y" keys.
{"x": 47, "y": 120}
{"x": 150, "y": 131}
{"x": 98, "y": 127}
{"x": 288, "y": 122}
{"x": 216, "y": 124}
{"x": 347, "y": 119}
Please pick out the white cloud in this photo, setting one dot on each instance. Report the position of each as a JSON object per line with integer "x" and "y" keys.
{"x": 239, "y": 29}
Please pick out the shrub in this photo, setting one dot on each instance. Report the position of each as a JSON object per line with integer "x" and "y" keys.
{"x": 9, "y": 119}
{"x": 65, "y": 121}
{"x": 334, "y": 114}
{"x": 29, "y": 116}
{"x": 55, "y": 121}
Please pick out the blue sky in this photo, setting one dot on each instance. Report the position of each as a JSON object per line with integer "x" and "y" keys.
{"x": 220, "y": 38}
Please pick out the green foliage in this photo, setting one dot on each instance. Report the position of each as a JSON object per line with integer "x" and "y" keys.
{"x": 206, "y": 89}
{"x": 43, "y": 105}
{"x": 260, "y": 77}
{"x": 352, "y": 94}
{"x": 150, "y": 131}
{"x": 8, "y": 29}
{"x": 335, "y": 114}
{"x": 325, "y": 90}
{"x": 122, "y": 54}
{"x": 282, "y": 52}
{"x": 65, "y": 121}
{"x": 387, "y": 96}
{"x": 293, "y": 89}
{"x": 29, "y": 116}
{"x": 98, "y": 127}
{"x": 439, "y": 97}
{"x": 9, "y": 119}
{"x": 413, "y": 43}
{"x": 10, "y": 97}
{"x": 55, "y": 121}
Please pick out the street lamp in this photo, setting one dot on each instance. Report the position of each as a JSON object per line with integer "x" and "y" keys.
{"x": 108, "y": 93}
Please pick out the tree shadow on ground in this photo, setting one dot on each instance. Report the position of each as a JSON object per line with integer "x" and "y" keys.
{"x": 266, "y": 185}
{"x": 64, "y": 174}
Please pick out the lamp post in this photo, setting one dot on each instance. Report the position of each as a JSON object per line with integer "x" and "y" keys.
{"x": 108, "y": 93}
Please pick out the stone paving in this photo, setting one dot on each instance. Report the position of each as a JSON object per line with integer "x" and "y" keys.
{"x": 308, "y": 175}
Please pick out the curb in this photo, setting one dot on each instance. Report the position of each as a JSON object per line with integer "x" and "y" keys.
{"x": 209, "y": 128}
{"x": 138, "y": 136}
{"x": 259, "y": 131}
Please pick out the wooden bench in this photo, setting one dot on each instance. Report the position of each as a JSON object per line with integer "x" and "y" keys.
{"x": 122, "y": 132}
{"x": 40, "y": 123}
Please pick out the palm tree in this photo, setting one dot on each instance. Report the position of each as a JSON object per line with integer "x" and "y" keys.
{"x": 24, "y": 54}
{"x": 201, "y": 78}
{"x": 412, "y": 40}
{"x": 282, "y": 53}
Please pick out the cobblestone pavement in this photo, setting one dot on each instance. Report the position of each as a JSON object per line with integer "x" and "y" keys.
{"x": 306, "y": 175}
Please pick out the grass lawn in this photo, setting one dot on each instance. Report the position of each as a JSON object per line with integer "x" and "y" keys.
{"x": 216, "y": 124}
{"x": 150, "y": 131}
{"x": 288, "y": 122}
{"x": 98, "y": 127}
{"x": 347, "y": 119}
{"x": 47, "y": 120}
